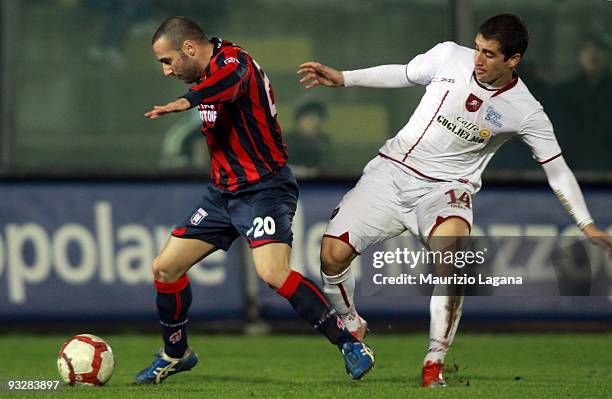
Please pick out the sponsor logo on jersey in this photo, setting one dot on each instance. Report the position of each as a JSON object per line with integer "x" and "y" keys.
{"x": 473, "y": 103}
{"x": 230, "y": 60}
{"x": 463, "y": 129}
{"x": 198, "y": 216}
{"x": 493, "y": 117}
{"x": 334, "y": 213}
{"x": 484, "y": 133}
{"x": 467, "y": 124}
{"x": 208, "y": 113}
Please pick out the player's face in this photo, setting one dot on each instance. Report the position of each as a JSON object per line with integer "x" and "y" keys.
{"x": 489, "y": 64}
{"x": 176, "y": 62}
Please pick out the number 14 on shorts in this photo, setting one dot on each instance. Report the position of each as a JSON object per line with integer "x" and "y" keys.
{"x": 459, "y": 198}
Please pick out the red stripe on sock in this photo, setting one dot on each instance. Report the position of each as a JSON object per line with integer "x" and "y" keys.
{"x": 174, "y": 287}
{"x": 346, "y": 300}
{"x": 179, "y": 305}
{"x": 290, "y": 285}
{"x": 316, "y": 291}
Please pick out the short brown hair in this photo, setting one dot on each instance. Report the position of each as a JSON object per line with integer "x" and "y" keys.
{"x": 179, "y": 29}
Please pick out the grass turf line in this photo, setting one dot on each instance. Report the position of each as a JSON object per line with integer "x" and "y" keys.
{"x": 478, "y": 366}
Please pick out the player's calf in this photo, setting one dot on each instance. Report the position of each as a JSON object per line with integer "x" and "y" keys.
{"x": 309, "y": 302}
{"x": 173, "y": 302}
{"x": 339, "y": 290}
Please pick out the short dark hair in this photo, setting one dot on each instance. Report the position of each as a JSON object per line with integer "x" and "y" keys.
{"x": 177, "y": 30}
{"x": 509, "y": 30}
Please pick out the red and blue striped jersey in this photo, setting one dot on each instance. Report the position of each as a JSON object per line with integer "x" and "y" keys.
{"x": 236, "y": 105}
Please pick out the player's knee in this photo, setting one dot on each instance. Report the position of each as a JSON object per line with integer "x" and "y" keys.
{"x": 273, "y": 274}
{"x": 335, "y": 258}
{"x": 162, "y": 271}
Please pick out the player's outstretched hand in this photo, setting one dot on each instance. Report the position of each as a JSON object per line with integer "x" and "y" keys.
{"x": 175, "y": 106}
{"x": 599, "y": 238}
{"x": 315, "y": 74}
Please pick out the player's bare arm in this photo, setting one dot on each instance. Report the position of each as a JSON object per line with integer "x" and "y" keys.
{"x": 315, "y": 74}
{"x": 179, "y": 105}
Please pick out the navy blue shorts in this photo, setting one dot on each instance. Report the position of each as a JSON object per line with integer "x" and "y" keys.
{"x": 262, "y": 213}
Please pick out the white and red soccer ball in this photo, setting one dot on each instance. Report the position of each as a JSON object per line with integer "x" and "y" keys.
{"x": 86, "y": 359}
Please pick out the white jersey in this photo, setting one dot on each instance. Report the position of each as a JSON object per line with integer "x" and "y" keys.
{"x": 459, "y": 123}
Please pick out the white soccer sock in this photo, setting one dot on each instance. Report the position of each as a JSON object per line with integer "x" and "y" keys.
{"x": 340, "y": 291}
{"x": 445, "y": 312}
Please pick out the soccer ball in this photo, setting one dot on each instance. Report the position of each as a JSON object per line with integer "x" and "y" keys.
{"x": 85, "y": 359}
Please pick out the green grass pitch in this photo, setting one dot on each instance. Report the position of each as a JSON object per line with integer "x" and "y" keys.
{"x": 479, "y": 366}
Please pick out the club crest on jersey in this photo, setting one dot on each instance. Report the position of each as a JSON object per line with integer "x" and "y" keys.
{"x": 198, "y": 216}
{"x": 473, "y": 103}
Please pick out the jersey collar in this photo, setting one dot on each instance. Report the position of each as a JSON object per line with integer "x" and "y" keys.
{"x": 217, "y": 44}
{"x": 502, "y": 89}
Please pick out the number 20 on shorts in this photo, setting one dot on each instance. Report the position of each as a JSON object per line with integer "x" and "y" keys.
{"x": 263, "y": 225}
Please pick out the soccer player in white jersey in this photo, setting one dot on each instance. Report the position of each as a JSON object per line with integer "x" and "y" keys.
{"x": 430, "y": 170}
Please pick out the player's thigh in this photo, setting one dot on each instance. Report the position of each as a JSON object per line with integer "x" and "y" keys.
{"x": 444, "y": 216}
{"x": 370, "y": 212}
{"x": 206, "y": 228}
{"x": 178, "y": 255}
{"x": 272, "y": 263}
{"x": 266, "y": 217}
{"x": 208, "y": 221}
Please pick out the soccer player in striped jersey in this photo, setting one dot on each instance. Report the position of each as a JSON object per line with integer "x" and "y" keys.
{"x": 253, "y": 194}
{"x": 430, "y": 170}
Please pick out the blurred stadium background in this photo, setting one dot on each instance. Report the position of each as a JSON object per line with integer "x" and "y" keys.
{"x": 90, "y": 188}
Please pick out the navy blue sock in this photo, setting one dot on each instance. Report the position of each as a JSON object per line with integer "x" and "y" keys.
{"x": 173, "y": 301}
{"x": 309, "y": 302}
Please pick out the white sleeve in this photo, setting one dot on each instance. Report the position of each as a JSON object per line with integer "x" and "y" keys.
{"x": 424, "y": 67}
{"x": 419, "y": 71}
{"x": 384, "y": 76}
{"x": 566, "y": 188}
{"x": 537, "y": 132}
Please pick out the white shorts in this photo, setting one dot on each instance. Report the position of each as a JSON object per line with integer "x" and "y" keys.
{"x": 388, "y": 200}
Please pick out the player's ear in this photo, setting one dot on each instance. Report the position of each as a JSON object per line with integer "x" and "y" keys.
{"x": 189, "y": 48}
{"x": 514, "y": 60}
